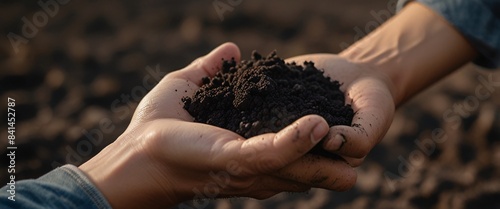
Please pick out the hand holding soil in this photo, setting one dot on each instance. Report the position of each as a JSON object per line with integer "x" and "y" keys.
{"x": 369, "y": 93}
{"x": 178, "y": 156}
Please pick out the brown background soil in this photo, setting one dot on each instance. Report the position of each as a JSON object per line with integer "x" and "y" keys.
{"x": 79, "y": 69}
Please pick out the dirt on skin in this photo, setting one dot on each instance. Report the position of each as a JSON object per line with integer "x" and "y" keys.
{"x": 265, "y": 94}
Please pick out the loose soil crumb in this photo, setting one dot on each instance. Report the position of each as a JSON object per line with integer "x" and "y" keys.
{"x": 265, "y": 94}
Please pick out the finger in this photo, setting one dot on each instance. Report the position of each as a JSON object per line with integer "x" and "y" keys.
{"x": 269, "y": 152}
{"x": 220, "y": 149}
{"x": 372, "y": 118}
{"x": 262, "y": 187}
{"x": 354, "y": 162}
{"x": 209, "y": 64}
{"x": 321, "y": 172}
{"x": 276, "y": 184}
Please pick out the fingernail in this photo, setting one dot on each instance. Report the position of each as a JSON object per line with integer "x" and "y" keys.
{"x": 319, "y": 132}
{"x": 336, "y": 142}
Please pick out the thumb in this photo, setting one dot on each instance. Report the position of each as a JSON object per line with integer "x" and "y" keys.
{"x": 268, "y": 153}
{"x": 181, "y": 83}
{"x": 283, "y": 155}
{"x": 374, "y": 110}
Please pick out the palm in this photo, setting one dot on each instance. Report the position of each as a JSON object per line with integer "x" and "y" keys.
{"x": 369, "y": 95}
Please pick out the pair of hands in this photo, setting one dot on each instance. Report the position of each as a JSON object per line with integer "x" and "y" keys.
{"x": 164, "y": 158}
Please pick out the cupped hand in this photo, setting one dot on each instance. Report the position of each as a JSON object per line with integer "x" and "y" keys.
{"x": 164, "y": 158}
{"x": 369, "y": 92}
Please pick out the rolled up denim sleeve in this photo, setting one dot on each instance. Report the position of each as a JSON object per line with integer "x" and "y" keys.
{"x": 64, "y": 187}
{"x": 477, "y": 20}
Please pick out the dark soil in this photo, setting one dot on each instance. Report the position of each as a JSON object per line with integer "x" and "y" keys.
{"x": 265, "y": 94}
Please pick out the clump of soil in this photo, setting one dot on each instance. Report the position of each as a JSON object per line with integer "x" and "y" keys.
{"x": 265, "y": 94}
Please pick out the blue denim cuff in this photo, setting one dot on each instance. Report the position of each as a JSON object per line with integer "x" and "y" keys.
{"x": 477, "y": 20}
{"x": 64, "y": 187}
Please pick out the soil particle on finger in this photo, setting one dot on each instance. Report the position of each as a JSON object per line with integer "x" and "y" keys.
{"x": 265, "y": 94}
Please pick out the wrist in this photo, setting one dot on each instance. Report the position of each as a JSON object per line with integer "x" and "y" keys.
{"x": 413, "y": 53}
{"x": 125, "y": 176}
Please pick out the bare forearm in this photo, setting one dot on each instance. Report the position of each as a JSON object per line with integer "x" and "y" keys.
{"x": 415, "y": 49}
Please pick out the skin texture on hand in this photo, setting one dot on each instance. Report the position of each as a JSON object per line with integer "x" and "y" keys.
{"x": 392, "y": 64}
{"x": 405, "y": 55}
{"x": 415, "y": 49}
{"x": 164, "y": 158}
{"x": 369, "y": 93}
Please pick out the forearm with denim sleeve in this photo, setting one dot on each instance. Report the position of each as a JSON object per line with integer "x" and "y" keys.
{"x": 64, "y": 187}
{"x": 414, "y": 49}
{"x": 479, "y": 23}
